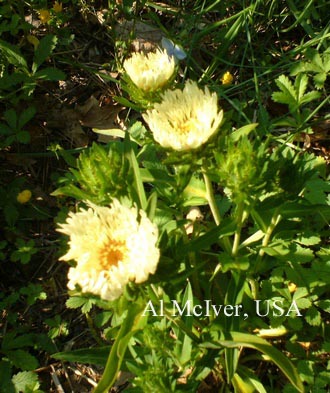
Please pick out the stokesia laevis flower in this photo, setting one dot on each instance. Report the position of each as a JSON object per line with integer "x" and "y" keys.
{"x": 111, "y": 246}
{"x": 185, "y": 119}
{"x": 150, "y": 71}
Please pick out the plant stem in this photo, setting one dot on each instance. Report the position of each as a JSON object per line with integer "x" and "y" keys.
{"x": 274, "y": 221}
{"x": 241, "y": 217}
{"x": 225, "y": 242}
{"x": 211, "y": 199}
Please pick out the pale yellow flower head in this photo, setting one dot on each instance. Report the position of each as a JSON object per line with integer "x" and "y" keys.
{"x": 24, "y": 196}
{"x": 185, "y": 119}
{"x": 111, "y": 246}
{"x": 150, "y": 71}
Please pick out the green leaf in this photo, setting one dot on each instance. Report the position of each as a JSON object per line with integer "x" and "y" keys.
{"x": 26, "y": 116}
{"x": 11, "y": 214}
{"x": 238, "y": 339}
{"x": 308, "y": 239}
{"x": 79, "y": 301}
{"x": 250, "y": 376}
{"x": 183, "y": 345}
{"x": 72, "y": 191}
{"x": 138, "y": 183}
{"x": 229, "y": 263}
{"x": 195, "y": 192}
{"x": 203, "y": 242}
{"x": 294, "y": 95}
{"x": 306, "y": 371}
{"x": 97, "y": 356}
{"x": 128, "y": 327}
{"x": 23, "y": 137}
{"x": 22, "y": 359}
{"x": 313, "y": 316}
{"x": 303, "y": 303}
{"x": 50, "y": 74}
{"x": 319, "y": 79}
{"x": 11, "y": 118}
{"x": 26, "y": 381}
{"x": 300, "y": 85}
{"x": 311, "y": 96}
{"x": 115, "y": 132}
{"x": 5, "y": 376}
{"x": 243, "y": 131}
{"x": 13, "y": 55}
{"x": 45, "y": 48}
{"x": 242, "y": 385}
{"x": 287, "y": 95}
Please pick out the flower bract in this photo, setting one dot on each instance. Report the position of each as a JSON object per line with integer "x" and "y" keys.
{"x": 150, "y": 71}
{"x": 111, "y": 246}
{"x": 185, "y": 119}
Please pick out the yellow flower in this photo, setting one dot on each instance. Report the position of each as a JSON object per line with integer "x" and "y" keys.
{"x": 292, "y": 287}
{"x": 111, "y": 246}
{"x": 57, "y": 7}
{"x": 44, "y": 16}
{"x": 185, "y": 119}
{"x": 150, "y": 71}
{"x": 227, "y": 78}
{"x": 24, "y": 196}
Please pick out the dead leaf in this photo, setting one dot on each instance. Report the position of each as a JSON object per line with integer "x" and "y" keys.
{"x": 146, "y": 38}
{"x": 92, "y": 115}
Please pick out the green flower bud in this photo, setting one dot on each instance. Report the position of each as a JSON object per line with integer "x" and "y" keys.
{"x": 103, "y": 172}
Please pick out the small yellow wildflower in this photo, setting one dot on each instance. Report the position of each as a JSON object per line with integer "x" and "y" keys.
{"x": 24, "y": 196}
{"x": 185, "y": 119}
{"x": 150, "y": 71}
{"x": 44, "y": 16}
{"x": 292, "y": 287}
{"x": 112, "y": 246}
{"x": 227, "y": 78}
{"x": 57, "y": 7}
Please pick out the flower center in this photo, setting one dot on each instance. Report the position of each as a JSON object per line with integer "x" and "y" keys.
{"x": 111, "y": 253}
{"x": 184, "y": 126}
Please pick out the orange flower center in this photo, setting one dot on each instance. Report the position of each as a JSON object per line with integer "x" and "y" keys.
{"x": 111, "y": 253}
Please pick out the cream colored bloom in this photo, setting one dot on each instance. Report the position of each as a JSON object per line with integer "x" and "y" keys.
{"x": 111, "y": 247}
{"x": 185, "y": 119}
{"x": 150, "y": 71}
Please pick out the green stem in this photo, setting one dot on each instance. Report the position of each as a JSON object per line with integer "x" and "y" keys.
{"x": 93, "y": 330}
{"x": 211, "y": 199}
{"x": 130, "y": 324}
{"x": 274, "y": 221}
{"x": 225, "y": 242}
{"x": 241, "y": 217}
